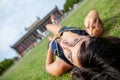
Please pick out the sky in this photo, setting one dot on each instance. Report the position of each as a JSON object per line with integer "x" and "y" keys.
{"x": 15, "y": 15}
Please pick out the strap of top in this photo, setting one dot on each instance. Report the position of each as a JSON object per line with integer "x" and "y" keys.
{"x": 74, "y": 30}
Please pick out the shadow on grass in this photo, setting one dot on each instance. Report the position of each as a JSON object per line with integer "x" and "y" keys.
{"x": 110, "y": 23}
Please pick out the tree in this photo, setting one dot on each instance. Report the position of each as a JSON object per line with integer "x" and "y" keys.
{"x": 69, "y": 4}
{"x": 4, "y": 65}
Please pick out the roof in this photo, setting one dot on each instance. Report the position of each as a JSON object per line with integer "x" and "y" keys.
{"x": 37, "y": 23}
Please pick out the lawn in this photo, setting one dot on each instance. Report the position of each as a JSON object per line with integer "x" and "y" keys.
{"x": 32, "y": 65}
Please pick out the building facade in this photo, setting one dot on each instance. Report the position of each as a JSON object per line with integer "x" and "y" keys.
{"x": 35, "y": 32}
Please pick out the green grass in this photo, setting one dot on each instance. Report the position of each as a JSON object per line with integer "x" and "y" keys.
{"x": 32, "y": 65}
{"x": 109, "y": 12}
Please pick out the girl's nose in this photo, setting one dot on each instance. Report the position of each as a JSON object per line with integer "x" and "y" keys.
{"x": 66, "y": 44}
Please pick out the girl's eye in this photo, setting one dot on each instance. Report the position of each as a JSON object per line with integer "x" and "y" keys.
{"x": 76, "y": 41}
{"x": 70, "y": 56}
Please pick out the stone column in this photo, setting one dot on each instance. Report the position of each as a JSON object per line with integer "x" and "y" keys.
{"x": 24, "y": 45}
{"x": 18, "y": 51}
{"x": 35, "y": 34}
{"x": 20, "y": 48}
{"x": 30, "y": 39}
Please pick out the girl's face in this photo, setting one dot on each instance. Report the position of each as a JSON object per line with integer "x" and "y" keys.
{"x": 71, "y": 45}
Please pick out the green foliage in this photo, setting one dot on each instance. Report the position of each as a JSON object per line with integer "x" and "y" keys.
{"x": 69, "y": 4}
{"x": 2, "y": 69}
{"x": 32, "y": 65}
{"x": 4, "y": 65}
{"x": 108, "y": 12}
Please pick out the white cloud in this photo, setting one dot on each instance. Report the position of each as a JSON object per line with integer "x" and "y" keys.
{"x": 17, "y": 14}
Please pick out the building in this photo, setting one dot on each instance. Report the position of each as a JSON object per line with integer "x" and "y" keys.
{"x": 35, "y": 32}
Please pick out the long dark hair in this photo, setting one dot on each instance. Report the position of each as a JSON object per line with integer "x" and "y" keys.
{"x": 100, "y": 60}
